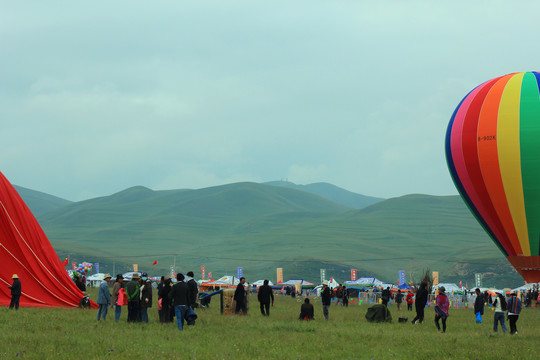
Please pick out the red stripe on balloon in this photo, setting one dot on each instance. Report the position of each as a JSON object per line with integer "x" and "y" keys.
{"x": 488, "y": 157}
{"x": 482, "y": 200}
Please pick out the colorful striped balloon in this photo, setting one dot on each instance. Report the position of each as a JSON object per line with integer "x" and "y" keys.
{"x": 493, "y": 154}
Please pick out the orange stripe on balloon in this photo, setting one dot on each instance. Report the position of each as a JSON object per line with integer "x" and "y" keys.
{"x": 489, "y": 164}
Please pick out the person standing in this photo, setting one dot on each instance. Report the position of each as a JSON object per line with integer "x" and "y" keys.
{"x": 421, "y": 301}
{"x": 500, "y": 307}
{"x": 15, "y": 292}
{"x": 514, "y": 308}
{"x": 345, "y": 297}
{"x": 163, "y": 294}
{"x": 442, "y": 306}
{"x": 264, "y": 297}
{"x": 179, "y": 296}
{"x": 146, "y": 297}
{"x": 103, "y": 298}
{"x": 339, "y": 295}
{"x": 409, "y": 300}
{"x": 386, "y": 295}
{"x": 326, "y": 298}
{"x": 240, "y": 297}
{"x": 115, "y": 300}
{"x": 193, "y": 289}
{"x": 132, "y": 292}
{"x": 399, "y": 299}
{"x": 479, "y": 306}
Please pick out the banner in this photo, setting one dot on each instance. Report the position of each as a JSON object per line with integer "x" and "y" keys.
{"x": 239, "y": 272}
{"x": 209, "y": 275}
{"x": 279, "y": 275}
{"x": 96, "y": 266}
{"x": 73, "y": 266}
{"x": 435, "y": 278}
{"x": 202, "y": 272}
{"x": 135, "y": 267}
{"x": 323, "y": 275}
{"x": 354, "y": 274}
{"x": 401, "y": 277}
{"x": 478, "y": 280}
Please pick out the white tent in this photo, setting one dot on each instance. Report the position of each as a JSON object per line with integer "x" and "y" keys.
{"x": 448, "y": 287}
{"x": 225, "y": 280}
{"x": 129, "y": 275}
{"x": 364, "y": 281}
{"x": 293, "y": 282}
{"x": 95, "y": 279}
{"x": 261, "y": 282}
{"x": 526, "y": 287}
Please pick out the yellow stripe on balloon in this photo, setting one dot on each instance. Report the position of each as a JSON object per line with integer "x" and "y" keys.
{"x": 510, "y": 157}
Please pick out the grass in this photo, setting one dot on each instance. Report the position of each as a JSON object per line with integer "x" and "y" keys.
{"x": 33, "y": 333}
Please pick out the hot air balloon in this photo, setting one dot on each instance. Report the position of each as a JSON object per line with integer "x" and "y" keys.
{"x": 493, "y": 155}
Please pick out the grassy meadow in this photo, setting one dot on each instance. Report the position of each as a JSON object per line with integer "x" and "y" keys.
{"x": 33, "y": 333}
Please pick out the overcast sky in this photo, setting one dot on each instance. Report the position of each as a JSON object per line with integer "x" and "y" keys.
{"x": 99, "y": 96}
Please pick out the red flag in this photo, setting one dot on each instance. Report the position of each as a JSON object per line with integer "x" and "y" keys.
{"x": 155, "y": 262}
{"x": 65, "y": 262}
{"x": 460, "y": 284}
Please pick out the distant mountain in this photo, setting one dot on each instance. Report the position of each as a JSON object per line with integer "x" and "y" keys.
{"x": 40, "y": 203}
{"x": 333, "y": 193}
{"x": 261, "y": 227}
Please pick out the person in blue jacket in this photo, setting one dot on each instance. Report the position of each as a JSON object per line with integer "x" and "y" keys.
{"x": 513, "y": 310}
{"x": 103, "y": 298}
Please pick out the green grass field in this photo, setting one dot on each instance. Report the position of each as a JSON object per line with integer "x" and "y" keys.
{"x": 33, "y": 333}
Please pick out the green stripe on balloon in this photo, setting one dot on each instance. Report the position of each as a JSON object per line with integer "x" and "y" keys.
{"x": 530, "y": 156}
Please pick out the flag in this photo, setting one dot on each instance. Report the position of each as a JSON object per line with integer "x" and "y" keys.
{"x": 65, "y": 262}
{"x": 460, "y": 285}
{"x": 155, "y": 262}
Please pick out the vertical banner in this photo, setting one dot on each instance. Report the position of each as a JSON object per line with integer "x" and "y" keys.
{"x": 354, "y": 274}
{"x": 239, "y": 272}
{"x": 279, "y": 275}
{"x": 96, "y": 266}
{"x": 202, "y": 272}
{"x": 323, "y": 275}
{"x": 478, "y": 280}
{"x": 435, "y": 278}
{"x": 171, "y": 272}
{"x": 73, "y": 266}
{"x": 209, "y": 275}
{"x": 401, "y": 277}
{"x": 135, "y": 267}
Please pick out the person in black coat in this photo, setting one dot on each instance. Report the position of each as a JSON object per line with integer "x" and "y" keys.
{"x": 326, "y": 298}
{"x": 264, "y": 297}
{"x": 193, "y": 289}
{"x": 240, "y": 297}
{"x": 420, "y": 303}
{"x": 165, "y": 314}
{"x": 479, "y": 305}
{"x": 15, "y": 292}
{"x": 306, "y": 311}
{"x": 180, "y": 298}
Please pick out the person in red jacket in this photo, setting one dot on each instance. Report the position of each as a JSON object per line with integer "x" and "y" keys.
{"x": 409, "y": 300}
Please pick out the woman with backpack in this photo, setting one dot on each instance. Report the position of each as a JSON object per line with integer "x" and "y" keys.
{"x": 500, "y": 308}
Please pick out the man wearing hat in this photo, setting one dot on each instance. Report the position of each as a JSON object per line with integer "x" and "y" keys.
{"x": 326, "y": 298}
{"x": 132, "y": 292}
{"x": 103, "y": 298}
{"x": 15, "y": 292}
{"x": 513, "y": 310}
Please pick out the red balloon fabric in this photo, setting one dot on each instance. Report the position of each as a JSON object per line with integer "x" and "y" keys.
{"x": 26, "y": 251}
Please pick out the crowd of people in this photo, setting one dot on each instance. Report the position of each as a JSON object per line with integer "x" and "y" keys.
{"x": 180, "y": 300}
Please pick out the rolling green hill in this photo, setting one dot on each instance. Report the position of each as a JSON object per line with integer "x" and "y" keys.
{"x": 332, "y": 192}
{"x": 261, "y": 227}
{"x": 40, "y": 203}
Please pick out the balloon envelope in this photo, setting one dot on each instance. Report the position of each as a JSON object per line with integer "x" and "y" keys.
{"x": 493, "y": 154}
